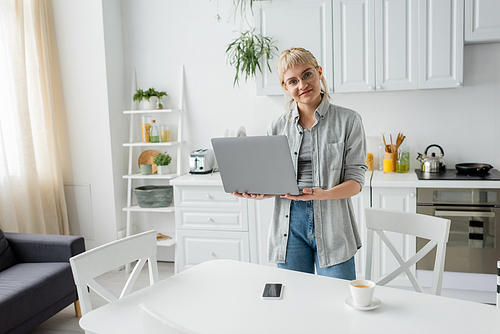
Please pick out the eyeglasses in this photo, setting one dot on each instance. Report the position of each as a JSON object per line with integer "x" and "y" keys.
{"x": 307, "y": 76}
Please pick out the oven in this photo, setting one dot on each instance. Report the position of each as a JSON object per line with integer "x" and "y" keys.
{"x": 474, "y": 240}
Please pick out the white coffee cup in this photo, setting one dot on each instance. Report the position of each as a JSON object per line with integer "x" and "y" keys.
{"x": 362, "y": 291}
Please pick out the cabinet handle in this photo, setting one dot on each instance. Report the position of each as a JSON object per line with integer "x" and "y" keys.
{"x": 459, "y": 84}
{"x": 209, "y": 197}
{"x": 212, "y": 254}
{"x": 379, "y": 87}
{"x": 209, "y": 219}
{"x": 412, "y": 194}
{"x": 370, "y": 87}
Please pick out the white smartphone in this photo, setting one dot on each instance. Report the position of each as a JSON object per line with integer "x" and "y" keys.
{"x": 272, "y": 291}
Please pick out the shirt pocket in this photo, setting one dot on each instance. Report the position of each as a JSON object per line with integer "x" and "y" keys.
{"x": 334, "y": 156}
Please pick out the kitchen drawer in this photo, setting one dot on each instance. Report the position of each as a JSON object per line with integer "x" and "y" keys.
{"x": 207, "y": 196}
{"x": 200, "y": 246}
{"x": 228, "y": 219}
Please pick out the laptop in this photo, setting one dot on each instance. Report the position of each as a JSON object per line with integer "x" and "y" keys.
{"x": 256, "y": 165}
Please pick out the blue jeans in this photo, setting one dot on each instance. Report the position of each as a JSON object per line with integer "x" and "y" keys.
{"x": 301, "y": 252}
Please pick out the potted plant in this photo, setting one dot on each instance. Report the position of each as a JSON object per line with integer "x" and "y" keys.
{"x": 149, "y": 99}
{"x": 245, "y": 52}
{"x": 163, "y": 160}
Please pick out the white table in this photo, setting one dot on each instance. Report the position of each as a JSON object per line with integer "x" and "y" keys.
{"x": 224, "y": 296}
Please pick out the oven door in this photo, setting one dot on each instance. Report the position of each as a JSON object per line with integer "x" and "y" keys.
{"x": 473, "y": 244}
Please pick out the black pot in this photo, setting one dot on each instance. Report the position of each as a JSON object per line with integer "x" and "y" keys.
{"x": 473, "y": 168}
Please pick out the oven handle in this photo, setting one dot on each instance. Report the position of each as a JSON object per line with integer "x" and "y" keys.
{"x": 464, "y": 214}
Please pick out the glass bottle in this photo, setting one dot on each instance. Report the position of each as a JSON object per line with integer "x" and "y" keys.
{"x": 146, "y": 128}
{"x": 403, "y": 163}
{"x": 381, "y": 152}
{"x": 155, "y": 133}
{"x": 164, "y": 133}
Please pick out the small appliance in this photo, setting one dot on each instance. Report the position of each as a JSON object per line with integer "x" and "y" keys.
{"x": 201, "y": 161}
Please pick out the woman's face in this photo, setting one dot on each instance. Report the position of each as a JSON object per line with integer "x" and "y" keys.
{"x": 303, "y": 83}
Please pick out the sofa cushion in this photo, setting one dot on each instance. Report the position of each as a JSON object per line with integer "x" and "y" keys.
{"x": 7, "y": 258}
{"x": 27, "y": 289}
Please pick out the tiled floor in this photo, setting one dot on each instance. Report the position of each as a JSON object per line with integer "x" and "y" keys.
{"x": 65, "y": 322}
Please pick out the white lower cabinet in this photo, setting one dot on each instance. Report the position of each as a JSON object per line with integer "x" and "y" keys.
{"x": 359, "y": 203}
{"x": 210, "y": 224}
{"x": 196, "y": 246}
{"x": 400, "y": 199}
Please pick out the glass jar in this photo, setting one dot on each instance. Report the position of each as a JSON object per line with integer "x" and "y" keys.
{"x": 146, "y": 128}
{"x": 159, "y": 102}
{"x": 155, "y": 133}
{"x": 164, "y": 133}
{"x": 403, "y": 163}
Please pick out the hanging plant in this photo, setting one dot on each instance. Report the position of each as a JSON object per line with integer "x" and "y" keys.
{"x": 245, "y": 52}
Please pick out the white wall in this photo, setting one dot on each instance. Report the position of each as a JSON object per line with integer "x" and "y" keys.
{"x": 161, "y": 35}
{"x": 82, "y": 109}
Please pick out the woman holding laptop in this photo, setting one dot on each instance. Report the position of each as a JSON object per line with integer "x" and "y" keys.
{"x": 316, "y": 229}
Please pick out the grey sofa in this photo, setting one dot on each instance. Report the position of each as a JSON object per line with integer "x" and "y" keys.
{"x": 36, "y": 281}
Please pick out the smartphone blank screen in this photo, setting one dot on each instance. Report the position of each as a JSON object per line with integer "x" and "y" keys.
{"x": 272, "y": 290}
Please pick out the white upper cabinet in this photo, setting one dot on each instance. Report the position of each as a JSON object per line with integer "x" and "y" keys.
{"x": 375, "y": 45}
{"x": 306, "y": 24}
{"x": 441, "y": 43}
{"x": 482, "y": 21}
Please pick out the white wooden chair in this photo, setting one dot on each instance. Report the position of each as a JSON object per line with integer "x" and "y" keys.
{"x": 498, "y": 284}
{"x": 155, "y": 323}
{"x": 90, "y": 264}
{"x": 428, "y": 227}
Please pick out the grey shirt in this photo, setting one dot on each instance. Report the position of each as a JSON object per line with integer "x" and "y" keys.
{"x": 338, "y": 154}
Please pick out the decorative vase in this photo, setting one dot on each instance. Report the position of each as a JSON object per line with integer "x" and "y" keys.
{"x": 149, "y": 105}
{"x": 163, "y": 170}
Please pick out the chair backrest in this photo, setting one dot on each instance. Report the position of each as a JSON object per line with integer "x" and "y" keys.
{"x": 155, "y": 323}
{"x": 498, "y": 284}
{"x": 435, "y": 229}
{"x": 92, "y": 263}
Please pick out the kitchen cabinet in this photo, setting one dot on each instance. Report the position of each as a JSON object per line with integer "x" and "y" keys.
{"x": 482, "y": 21}
{"x": 306, "y": 24}
{"x": 375, "y": 45}
{"x": 392, "y": 197}
{"x": 360, "y": 202}
{"x": 210, "y": 224}
{"x": 441, "y": 44}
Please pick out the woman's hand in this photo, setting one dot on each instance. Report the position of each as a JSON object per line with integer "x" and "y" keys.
{"x": 308, "y": 194}
{"x": 258, "y": 197}
{"x": 346, "y": 189}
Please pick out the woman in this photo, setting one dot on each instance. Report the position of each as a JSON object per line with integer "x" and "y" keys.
{"x": 317, "y": 229}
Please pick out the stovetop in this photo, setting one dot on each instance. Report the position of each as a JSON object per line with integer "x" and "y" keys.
{"x": 451, "y": 174}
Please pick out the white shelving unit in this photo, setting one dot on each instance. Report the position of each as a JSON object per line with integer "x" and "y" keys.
{"x": 131, "y": 176}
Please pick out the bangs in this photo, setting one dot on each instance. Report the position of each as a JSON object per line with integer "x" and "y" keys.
{"x": 291, "y": 58}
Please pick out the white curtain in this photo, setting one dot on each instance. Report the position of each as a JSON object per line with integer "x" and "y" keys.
{"x": 31, "y": 185}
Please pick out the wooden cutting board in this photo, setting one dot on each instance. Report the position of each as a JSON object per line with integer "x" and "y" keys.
{"x": 147, "y": 157}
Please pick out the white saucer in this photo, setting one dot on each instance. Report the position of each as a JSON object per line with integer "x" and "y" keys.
{"x": 375, "y": 303}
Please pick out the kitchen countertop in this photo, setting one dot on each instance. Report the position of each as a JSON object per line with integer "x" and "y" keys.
{"x": 410, "y": 180}
{"x": 375, "y": 179}
{"x": 212, "y": 179}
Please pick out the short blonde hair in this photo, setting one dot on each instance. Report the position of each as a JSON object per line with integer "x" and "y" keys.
{"x": 293, "y": 57}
